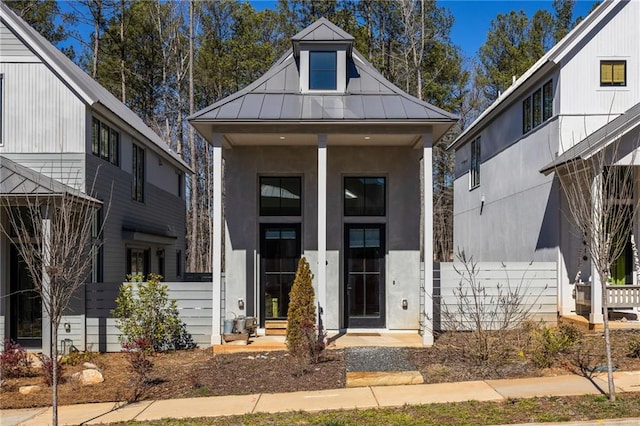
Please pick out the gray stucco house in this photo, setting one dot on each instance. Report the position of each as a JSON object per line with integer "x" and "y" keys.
{"x": 322, "y": 159}
{"x": 59, "y": 129}
{"x": 576, "y": 100}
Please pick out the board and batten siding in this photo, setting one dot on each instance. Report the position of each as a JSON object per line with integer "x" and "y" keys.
{"x": 41, "y": 114}
{"x": 12, "y": 49}
{"x": 537, "y": 283}
{"x": 194, "y": 307}
{"x": 585, "y": 105}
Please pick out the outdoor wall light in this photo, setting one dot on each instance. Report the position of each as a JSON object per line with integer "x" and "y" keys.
{"x": 405, "y": 304}
{"x": 67, "y": 327}
{"x": 241, "y": 304}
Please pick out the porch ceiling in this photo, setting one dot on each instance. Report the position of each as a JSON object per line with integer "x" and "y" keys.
{"x": 280, "y": 139}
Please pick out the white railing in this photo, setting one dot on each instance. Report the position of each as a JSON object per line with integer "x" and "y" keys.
{"x": 623, "y": 296}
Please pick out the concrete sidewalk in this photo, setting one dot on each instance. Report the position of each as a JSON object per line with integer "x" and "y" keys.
{"x": 333, "y": 399}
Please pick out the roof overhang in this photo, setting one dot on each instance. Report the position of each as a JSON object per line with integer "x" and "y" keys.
{"x": 147, "y": 237}
{"x": 350, "y": 129}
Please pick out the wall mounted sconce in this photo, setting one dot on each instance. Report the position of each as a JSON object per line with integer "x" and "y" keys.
{"x": 405, "y": 304}
{"x": 160, "y": 254}
{"x": 67, "y": 327}
{"x": 481, "y": 204}
{"x": 241, "y": 304}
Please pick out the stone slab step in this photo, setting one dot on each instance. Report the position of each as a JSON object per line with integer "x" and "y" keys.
{"x": 383, "y": 378}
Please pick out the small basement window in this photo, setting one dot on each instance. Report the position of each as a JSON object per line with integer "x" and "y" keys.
{"x": 613, "y": 73}
{"x": 323, "y": 71}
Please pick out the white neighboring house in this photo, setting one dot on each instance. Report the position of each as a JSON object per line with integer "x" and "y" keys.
{"x": 577, "y": 98}
{"x": 58, "y": 129}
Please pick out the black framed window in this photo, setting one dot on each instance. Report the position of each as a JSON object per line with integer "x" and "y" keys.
{"x": 178, "y": 263}
{"x": 138, "y": 174}
{"x": 105, "y": 142}
{"x": 474, "y": 171}
{"x": 613, "y": 73}
{"x": 138, "y": 261}
{"x": 537, "y": 107}
{"x": 323, "y": 70}
{"x": 280, "y": 196}
{"x": 547, "y": 100}
{"x": 97, "y": 259}
{"x": 365, "y": 196}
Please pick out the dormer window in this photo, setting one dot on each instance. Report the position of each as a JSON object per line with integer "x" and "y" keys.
{"x": 323, "y": 70}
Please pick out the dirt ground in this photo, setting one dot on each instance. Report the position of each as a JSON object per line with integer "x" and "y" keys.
{"x": 197, "y": 372}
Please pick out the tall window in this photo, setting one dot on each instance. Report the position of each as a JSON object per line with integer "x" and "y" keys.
{"x": 323, "y": 71}
{"x": 178, "y": 263}
{"x": 138, "y": 174}
{"x": 547, "y": 100}
{"x": 280, "y": 196}
{"x": 365, "y": 196}
{"x": 1, "y": 106}
{"x": 613, "y": 73}
{"x": 474, "y": 171}
{"x": 537, "y": 107}
{"x": 105, "y": 142}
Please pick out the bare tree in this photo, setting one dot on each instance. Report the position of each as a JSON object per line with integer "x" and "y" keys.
{"x": 56, "y": 235}
{"x": 599, "y": 194}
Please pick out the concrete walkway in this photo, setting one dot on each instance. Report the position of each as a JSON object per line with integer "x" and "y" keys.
{"x": 333, "y": 399}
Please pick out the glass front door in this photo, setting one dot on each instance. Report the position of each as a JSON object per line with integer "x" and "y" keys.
{"x": 364, "y": 276}
{"x": 279, "y": 255}
{"x": 26, "y": 305}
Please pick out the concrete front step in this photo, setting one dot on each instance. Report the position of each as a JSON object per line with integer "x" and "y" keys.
{"x": 383, "y": 378}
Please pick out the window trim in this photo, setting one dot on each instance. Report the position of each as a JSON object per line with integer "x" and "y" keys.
{"x": 137, "y": 175}
{"x": 529, "y": 121}
{"x": 613, "y": 63}
{"x": 474, "y": 163}
{"x": 99, "y": 129}
{"x": 385, "y": 202}
{"x": 297, "y": 177}
{"x": 334, "y": 70}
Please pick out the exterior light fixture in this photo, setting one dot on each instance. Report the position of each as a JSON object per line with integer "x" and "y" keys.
{"x": 67, "y": 327}
{"x": 282, "y": 138}
{"x": 366, "y": 138}
{"x": 241, "y": 304}
{"x": 405, "y": 304}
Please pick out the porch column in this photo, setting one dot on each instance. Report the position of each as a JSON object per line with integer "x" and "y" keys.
{"x": 216, "y": 243}
{"x": 47, "y": 332}
{"x": 596, "y": 315}
{"x": 322, "y": 226}
{"x": 427, "y": 226}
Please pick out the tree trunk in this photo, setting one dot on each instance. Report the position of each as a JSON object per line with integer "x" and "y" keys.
{"x": 122, "y": 55}
{"x": 54, "y": 360}
{"x": 607, "y": 339}
{"x": 193, "y": 194}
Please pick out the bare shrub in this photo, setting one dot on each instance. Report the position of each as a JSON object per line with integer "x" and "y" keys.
{"x": 485, "y": 312}
{"x": 140, "y": 366}
{"x": 14, "y": 361}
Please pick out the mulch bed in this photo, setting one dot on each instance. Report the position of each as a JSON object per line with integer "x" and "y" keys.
{"x": 197, "y": 372}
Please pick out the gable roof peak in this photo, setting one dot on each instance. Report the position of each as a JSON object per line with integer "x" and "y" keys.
{"x": 322, "y": 30}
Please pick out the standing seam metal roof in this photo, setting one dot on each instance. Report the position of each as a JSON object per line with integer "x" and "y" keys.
{"x": 598, "y": 139}
{"x": 91, "y": 91}
{"x": 18, "y": 180}
{"x": 276, "y": 95}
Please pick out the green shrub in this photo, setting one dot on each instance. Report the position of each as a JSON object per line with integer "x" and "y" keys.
{"x": 552, "y": 341}
{"x": 304, "y": 342}
{"x": 144, "y": 312}
{"x": 634, "y": 348}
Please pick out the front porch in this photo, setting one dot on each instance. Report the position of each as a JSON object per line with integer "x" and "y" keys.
{"x": 334, "y": 341}
{"x": 622, "y": 301}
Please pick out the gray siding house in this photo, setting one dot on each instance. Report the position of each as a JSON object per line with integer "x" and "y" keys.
{"x": 60, "y": 131}
{"x": 508, "y": 203}
{"x": 322, "y": 159}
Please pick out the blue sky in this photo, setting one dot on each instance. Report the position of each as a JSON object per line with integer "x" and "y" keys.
{"x": 473, "y": 17}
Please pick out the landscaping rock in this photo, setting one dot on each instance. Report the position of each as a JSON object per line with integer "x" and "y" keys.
{"x": 26, "y": 390}
{"x": 90, "y": 366}
{"x": 88, "y": 377}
